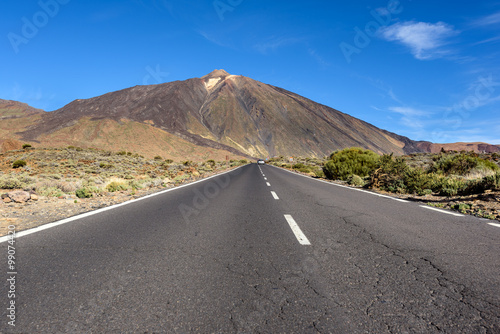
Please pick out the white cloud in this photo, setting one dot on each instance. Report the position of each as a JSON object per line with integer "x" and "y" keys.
{"x": 274, "y": 43}
{"x": 489, "y": 40}
{"x": 408, "y": 111}
{"x": 318, "y": 58}
{"x": 424, "y": 39}
{"x": 488, "y": 20}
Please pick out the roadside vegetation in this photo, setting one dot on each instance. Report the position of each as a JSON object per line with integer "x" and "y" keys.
{"x": 445, "y": 178}
{"x": 73, "y": 172}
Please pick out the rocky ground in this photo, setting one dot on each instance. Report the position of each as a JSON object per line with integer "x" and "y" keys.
{"x": 42, "y": 209}
{"x": 60, "y": 183}
{"x": 485, "y": 205}
{"x": 52, "y": 178}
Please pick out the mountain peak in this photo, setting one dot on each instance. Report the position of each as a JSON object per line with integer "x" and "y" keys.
{"x": 216, "y": 74}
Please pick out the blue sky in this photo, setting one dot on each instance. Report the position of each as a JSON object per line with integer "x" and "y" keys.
{"x": 429, "y": 70}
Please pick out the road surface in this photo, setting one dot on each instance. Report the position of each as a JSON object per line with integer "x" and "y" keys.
{"x": 257, "y": 250}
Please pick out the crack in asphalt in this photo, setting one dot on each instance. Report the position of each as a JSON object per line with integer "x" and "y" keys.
{"x": 457, "y": 306}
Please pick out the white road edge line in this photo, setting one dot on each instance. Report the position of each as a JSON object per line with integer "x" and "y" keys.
{"x": 91, "y": 213}
{"x": 494, "y": 224}
{"x": 442, "y": 211}
{"x": 274, "y": 195}
{"x": 297, "y": 231}
{"x": 351, "y": 188}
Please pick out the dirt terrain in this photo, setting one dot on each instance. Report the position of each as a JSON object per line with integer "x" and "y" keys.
{"x": 481, "y": 205}
{"x": 60, "y": 183}
{"x": 49, "y": 209}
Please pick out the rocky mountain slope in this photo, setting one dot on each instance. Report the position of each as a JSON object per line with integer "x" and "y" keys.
{"x": 222, "y": 113}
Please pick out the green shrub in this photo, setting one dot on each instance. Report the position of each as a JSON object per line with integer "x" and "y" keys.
{"x": 427, "y": 192}
{"x": 394, "y": 175}
{"x": 355, "y": 180}
{"x": 116, "y": 186}
{"x": 350, "y": 161}
{"x": 121, "y": 153}
{"x": 319, "y": 173}
{"x": 169, "y": 161}
{"x": 50, "y": 191}
{"x": 25, "y": 146}
{"x": 134, "y": 184}
{"x": 487, "y": 165}
{"x": 105, "y": 165}
{"x": 462, "y": 207}
{"x": 451, "y": 186}
{"x": 299, "y": 166}
{"x": 491, "y": 182}
{"x": 10, "y": 182}
{"x": 462, "y": 164}
{"x": 19, "y": 163}
{"x": 84, "y": 192}
{"x": 243, "y": 161}
{"x": 418, "y": 182}
{"x": 158, "y": 157}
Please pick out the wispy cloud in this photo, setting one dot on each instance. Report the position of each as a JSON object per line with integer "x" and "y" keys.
{"x": 488, "y": 20}
{"x": 489, "y": 40}
{"x": 274, "y": 43}
{"x": 425, "y": 40}
{"x": 408, "y": 111}
{"x": 393, "y": 96}
{"x": 318, "y": 58}
{"x": 212, "y": 39}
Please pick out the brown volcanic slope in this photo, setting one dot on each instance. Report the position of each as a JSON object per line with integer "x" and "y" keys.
{"x": 99, "y": 133}
{"x": 223, "y": 112}
{"x": 15, "y": 115}
{"x": 476, "y": 147}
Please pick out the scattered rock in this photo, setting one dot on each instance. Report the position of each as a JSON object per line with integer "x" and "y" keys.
{"x": 34, "y": 197}
{"x": 7, "y": 200}
{"x": 19, "y": 196}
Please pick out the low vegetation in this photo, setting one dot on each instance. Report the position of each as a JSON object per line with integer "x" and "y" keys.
{"x": 84, "y": 173}
{"x": 442, "y": 175}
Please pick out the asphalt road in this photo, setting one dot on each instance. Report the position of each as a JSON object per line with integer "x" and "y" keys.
{"x": 223, "y": 256}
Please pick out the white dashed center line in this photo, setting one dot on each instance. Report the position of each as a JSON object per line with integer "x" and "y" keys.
{"x": 268, "y": 184}
{"x": 297, "y": 231}
{"x": 274, "y": 195}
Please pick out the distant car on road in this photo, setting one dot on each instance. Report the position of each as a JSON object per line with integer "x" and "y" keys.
{"x": 261, "y": 162}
